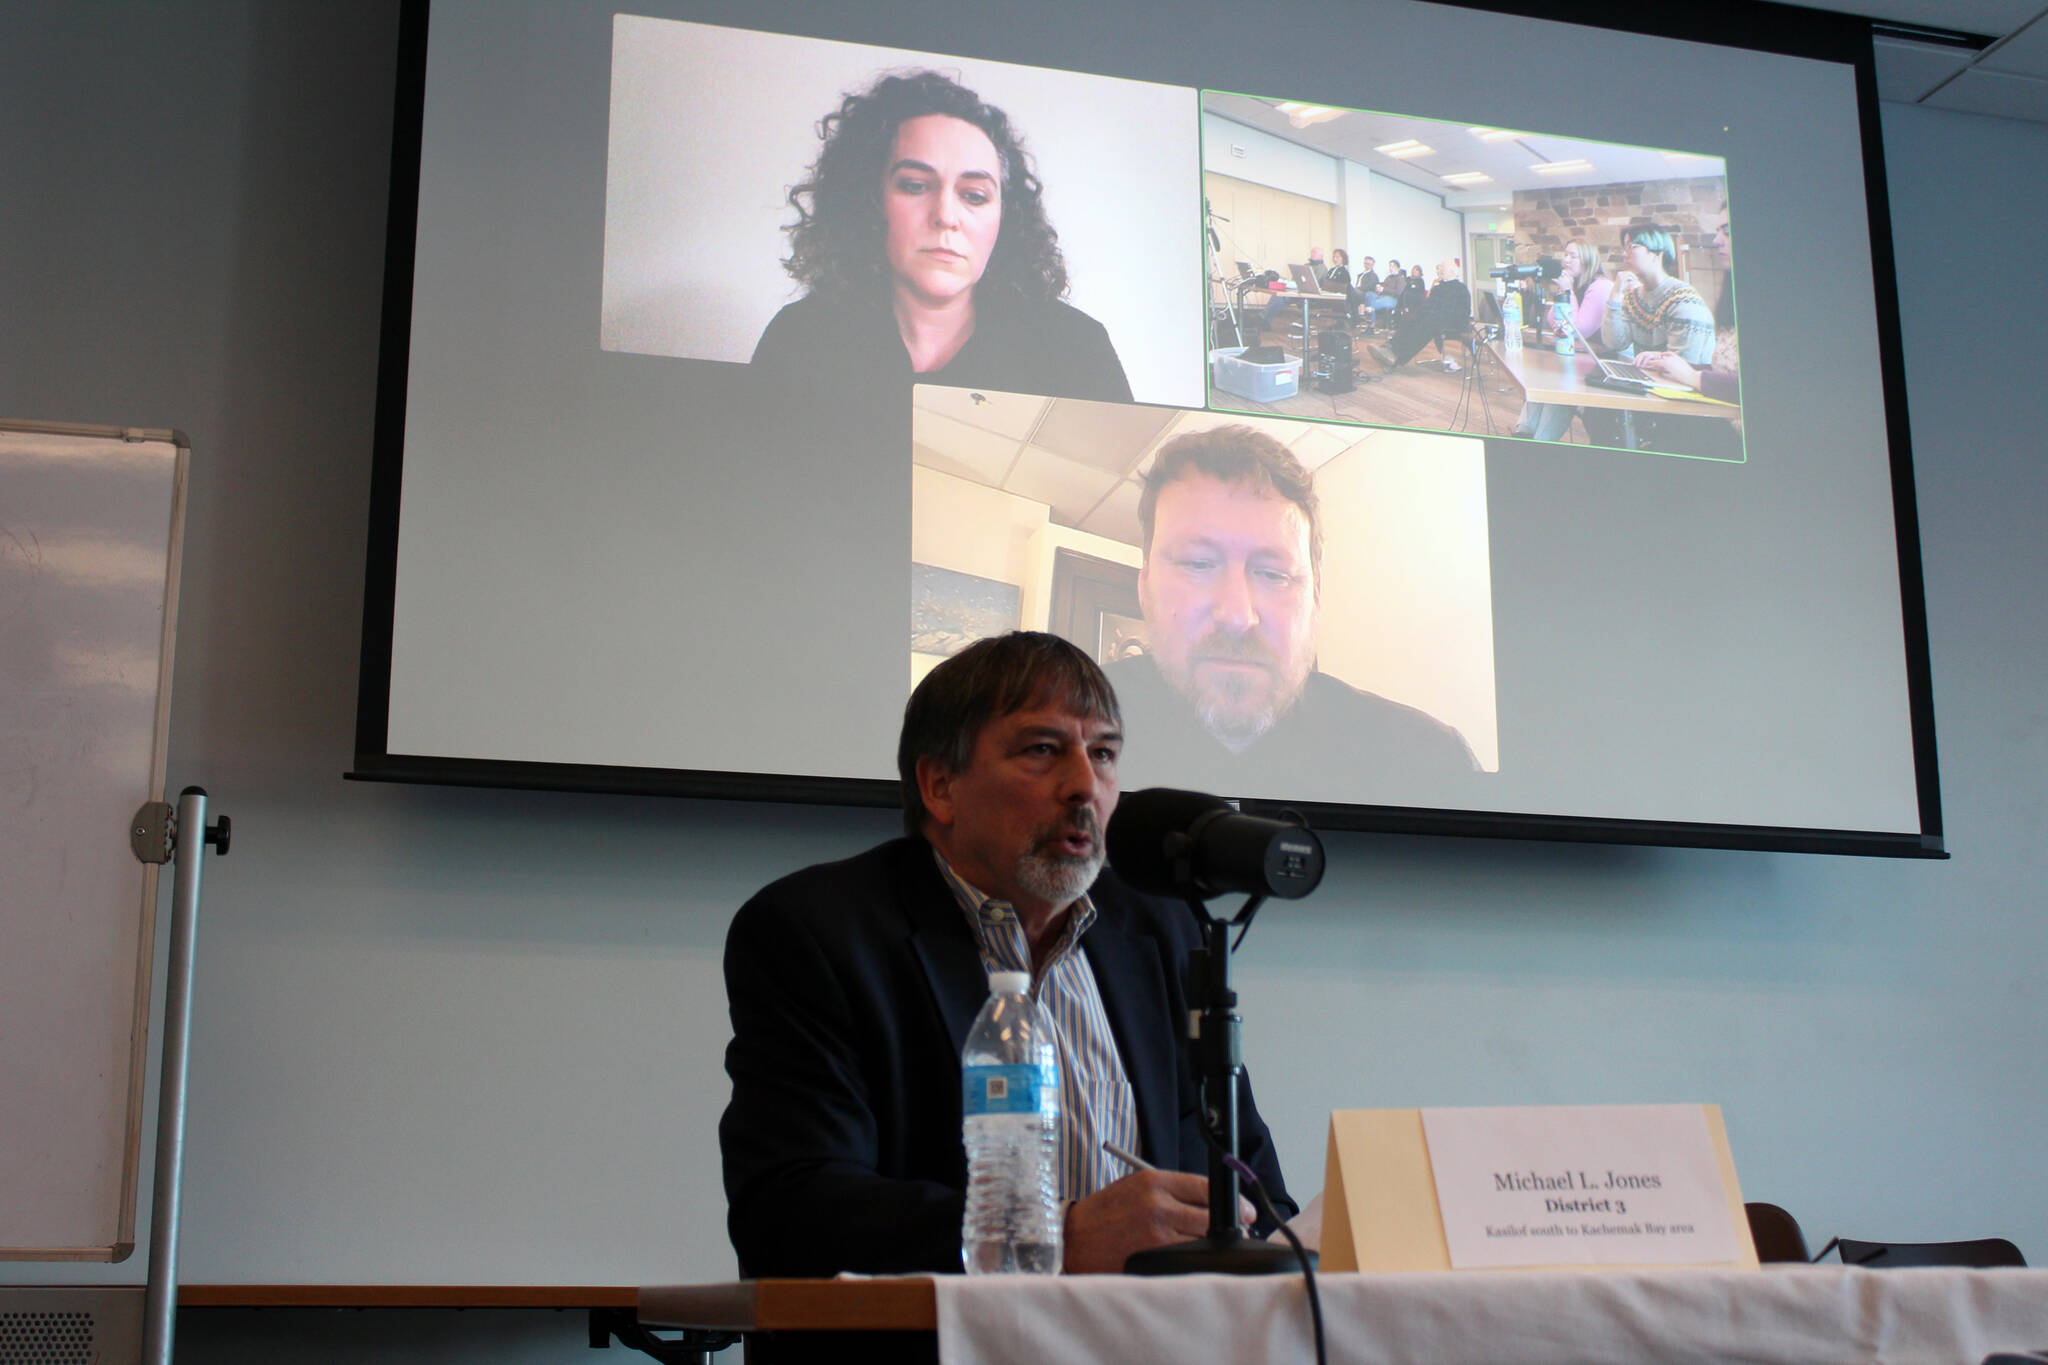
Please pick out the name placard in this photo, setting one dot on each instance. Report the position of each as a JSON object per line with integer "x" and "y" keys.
{"x": 1600, "y": 1186}
{"x": 1635, "y": 1184}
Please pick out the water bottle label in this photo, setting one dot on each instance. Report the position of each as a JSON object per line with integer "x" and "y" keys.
{"x": 1001, "y": 1089}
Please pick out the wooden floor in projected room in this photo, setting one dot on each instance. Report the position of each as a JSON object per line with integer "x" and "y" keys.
{"x": 1420, "y": 394}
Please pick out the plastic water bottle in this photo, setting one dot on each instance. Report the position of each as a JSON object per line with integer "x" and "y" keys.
{"x": 1010, "y": 1103}
{"x": 1511, "y": 320}
{"x": 1561, "y": 316}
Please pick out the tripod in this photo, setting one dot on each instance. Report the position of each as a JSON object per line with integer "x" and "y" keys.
{"x": 1475, "y": 377}
{"x": 1211, "y": 244}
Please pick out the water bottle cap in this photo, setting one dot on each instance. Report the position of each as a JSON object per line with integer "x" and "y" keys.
{"x": 1009, "y": 983}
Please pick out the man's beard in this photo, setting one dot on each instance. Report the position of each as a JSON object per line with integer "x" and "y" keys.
{"x": 1237, "y": 708}
{"x": 1050, "y": 872}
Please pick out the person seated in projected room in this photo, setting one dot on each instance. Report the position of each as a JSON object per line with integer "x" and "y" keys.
{"x": 1380, "y": 306}
{"x": 852, "y": 986}
{"x": 1716, "y": 379}
{"x": 922, "y": 240}
{"x": 1653, "y": 311}
{"x": 1231, "y": 590}
{"x": 1416, "y": 294}
{"x": 1337, "y": 278}
{"x": 1717, "y": 438}
{"x": 1586, "y": 289}
{"x": 1445, "y": 313}
{"x": 1281, "y": 306}
{"x": 1364, "y": 286}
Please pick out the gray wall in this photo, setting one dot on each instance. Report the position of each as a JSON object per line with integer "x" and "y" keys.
{"x": 471, "y": 1036}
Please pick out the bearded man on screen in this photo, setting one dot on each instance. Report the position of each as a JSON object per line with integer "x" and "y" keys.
{"x": 1231, "y": 591}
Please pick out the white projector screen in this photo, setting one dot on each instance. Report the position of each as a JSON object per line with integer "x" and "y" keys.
{"x": 669, "y": 497}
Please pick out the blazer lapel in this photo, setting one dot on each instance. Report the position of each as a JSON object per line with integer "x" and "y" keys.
{"x": 944, "y": 945}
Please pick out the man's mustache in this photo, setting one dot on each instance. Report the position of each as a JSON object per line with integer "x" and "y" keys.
{"x": 1082, "y": 820}
{"x": 1229, "y": 647}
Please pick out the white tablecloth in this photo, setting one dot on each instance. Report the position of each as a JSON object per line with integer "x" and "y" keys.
{"x": 1799, "y": 1315}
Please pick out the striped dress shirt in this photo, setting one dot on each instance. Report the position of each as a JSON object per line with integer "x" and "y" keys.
{"x": 1096, "y": 1104}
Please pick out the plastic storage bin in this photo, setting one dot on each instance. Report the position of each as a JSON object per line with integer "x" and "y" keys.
{"x": 1260, "y": 383}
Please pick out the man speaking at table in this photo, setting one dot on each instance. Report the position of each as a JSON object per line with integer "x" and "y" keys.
{"x": 852, "y": 986}
{"x": 1228, "y": 697}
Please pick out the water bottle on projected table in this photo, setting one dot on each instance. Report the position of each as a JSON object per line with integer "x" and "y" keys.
{"x": 1010, "y": 1107}
{"x": 1561, "y": 318}
{"x": 1511, "y": 320}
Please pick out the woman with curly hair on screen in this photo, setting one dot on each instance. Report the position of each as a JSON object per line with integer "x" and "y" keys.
{"x": 922, "y": 241}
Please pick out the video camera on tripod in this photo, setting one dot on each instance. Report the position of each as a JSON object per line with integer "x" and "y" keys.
{"x": 1544, "y": 268}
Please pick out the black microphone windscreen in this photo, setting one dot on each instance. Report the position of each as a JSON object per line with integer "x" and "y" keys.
{"x": 1139, "y": 832}
{"x": 1551, "y": 266}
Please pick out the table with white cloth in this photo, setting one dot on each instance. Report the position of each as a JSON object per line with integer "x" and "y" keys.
{"x": 1799, "y": 1315}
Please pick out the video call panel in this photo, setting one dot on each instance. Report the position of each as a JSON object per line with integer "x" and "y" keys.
{"x": 1296, "y": 610}
{"x": 718, "y": 140}
{"x": 1598, "y": 307}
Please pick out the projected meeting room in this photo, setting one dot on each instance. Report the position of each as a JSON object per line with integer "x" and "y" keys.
{"x": 1413, "y": 272}
{"x": 1284, "y": 607}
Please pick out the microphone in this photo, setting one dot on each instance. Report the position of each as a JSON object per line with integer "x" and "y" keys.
{"x": 1549, "y": 267}
{"x": 1190, "y": 844}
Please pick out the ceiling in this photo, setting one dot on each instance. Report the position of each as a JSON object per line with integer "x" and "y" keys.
{"x": 2006, "y": 79}
{"x": 1084, "y": 461}
{"x": 1975, "y": 56}
{"x": 1507, "y": 159}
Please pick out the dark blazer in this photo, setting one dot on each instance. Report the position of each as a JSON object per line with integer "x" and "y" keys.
{"x": 852, "y": 986}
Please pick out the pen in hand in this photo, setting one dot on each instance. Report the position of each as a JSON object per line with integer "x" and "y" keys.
{"x": 1246, "y": 1213}
{"x": 1131, "y": 1159}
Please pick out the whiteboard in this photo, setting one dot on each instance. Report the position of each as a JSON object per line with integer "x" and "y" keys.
{"x": 90, "y": 529}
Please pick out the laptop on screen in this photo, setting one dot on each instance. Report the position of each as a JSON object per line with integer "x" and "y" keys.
{"x": 1617, "y": 372}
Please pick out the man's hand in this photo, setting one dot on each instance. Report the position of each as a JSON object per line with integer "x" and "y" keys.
{"x": 1627, "y": 281}
{"x": 1143, "y": 1210}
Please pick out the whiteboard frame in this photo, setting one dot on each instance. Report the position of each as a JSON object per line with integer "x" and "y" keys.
{"x": 123, "y": 1243}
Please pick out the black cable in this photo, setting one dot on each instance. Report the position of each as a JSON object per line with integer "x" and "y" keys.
{"x": 1249, "y": 1181}
{"x": 1246, "y": 912}
{"x": 1835, "y": 1245}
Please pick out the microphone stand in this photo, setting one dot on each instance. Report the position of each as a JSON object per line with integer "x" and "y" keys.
{"x": 1215, "y": 244}
{"x": 1215, "y": 1028}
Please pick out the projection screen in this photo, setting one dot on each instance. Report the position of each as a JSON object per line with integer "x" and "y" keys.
{"x": 744, "y": 361}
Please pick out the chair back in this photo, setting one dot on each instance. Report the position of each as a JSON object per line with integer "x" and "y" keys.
{"x": 1981, "y": 1254}
{"x": 1776, "y": 1234}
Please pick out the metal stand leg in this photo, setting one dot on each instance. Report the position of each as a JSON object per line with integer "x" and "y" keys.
{"x": 689, "y": 1346}
{"x": 1473, "y": 382}
{"x": 188, "y": 842}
